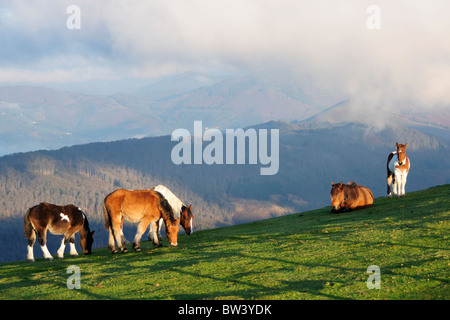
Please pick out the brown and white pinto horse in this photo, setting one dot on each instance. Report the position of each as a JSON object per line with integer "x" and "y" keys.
{"x": 66, "y": 220}
{"x": 350, "y": 196}
{"x": 139, "y": 206}
{"x": 180, "y": 210}
{"x": 397, "y": 170}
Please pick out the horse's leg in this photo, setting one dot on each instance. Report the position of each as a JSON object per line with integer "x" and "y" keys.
{"x": 395, "y": 184}
{"x": 111, "y": 242}
{"x": 154, "y": 232}
{"x": 42, "y": 235}
{"x": 122, "y": 236}
{"x": 400, "y": 185}
{"x": 60, "y": 251}
{"x": 160, "y": 224}
{"x": 140, "y": 231}
{"x": 389, "y": 182}
{"x": 31, "y": 240}
{"x": 73, "y": 249}
{"x": 151, "y": 231}
{"x": 116, "y": 229}
{"x": 403, "y": 184}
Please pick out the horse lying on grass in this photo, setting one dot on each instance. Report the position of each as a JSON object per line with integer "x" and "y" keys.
{"x": 350, "y": 196}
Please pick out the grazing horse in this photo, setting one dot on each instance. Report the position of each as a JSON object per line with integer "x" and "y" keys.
{"x": 66, "y": 220}
{"x": 139, "y": 206}
{"x": 180, "y": 210}
{"x": 350, "y": 196}
{"x": 397, "y": 170}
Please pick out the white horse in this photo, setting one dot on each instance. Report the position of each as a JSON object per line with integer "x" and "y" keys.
{"x": 179, "y": 210}
{"x": 397, "y": 170}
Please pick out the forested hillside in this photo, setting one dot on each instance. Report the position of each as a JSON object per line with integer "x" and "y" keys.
{"x": 311, "y": 156}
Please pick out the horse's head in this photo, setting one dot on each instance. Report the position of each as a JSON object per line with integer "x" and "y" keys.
{"x": 401, "y": 152}
{"x": 86, "y": 241}
{"x": 337, "y": 195}
{"x": 172, "y": 229}
{"x": 186, "y": 219}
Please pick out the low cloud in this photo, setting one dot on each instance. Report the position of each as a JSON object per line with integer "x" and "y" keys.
{"x": 326, "y": 43}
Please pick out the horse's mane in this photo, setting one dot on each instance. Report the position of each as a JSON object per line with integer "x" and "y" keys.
{"x": 350, "y": 190}
{"x": 164, "y": 207}
{"x": 174, "y": 202}
{"x": 85, "y": 221}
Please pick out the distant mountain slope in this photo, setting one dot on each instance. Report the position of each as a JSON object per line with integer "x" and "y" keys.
{"x": 311, "y": 156}
{"x": 33, "y": 118}
{"x": 41, "y": 118}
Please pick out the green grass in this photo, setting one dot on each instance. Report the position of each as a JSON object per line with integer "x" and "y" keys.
{"x": 311, "y": 255}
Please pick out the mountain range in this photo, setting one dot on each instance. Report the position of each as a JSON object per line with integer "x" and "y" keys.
{"x": 311, "y": 156}
{"x": 49, "y": 119}
{"x": 317, "y": 145}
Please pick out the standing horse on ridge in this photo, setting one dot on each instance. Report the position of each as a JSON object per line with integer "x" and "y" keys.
{"x": 139, "y": 206}
{"x": 397, "y": 166}
{"x": 66, "y": 220}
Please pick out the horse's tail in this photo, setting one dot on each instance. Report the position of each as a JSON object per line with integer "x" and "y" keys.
{"x": 391, "y": 155}
{"x": 389, "y": 175}
{"x": 106, "y": 216}
{"x": 27, "y": 226}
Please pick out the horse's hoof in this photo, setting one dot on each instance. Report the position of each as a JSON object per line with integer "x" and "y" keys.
{"x": 138, "y": 249}
{"x": 31, "y": 260}
{"x": 114, "y": 251}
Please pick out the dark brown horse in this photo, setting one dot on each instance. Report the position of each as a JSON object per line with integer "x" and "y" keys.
{"x": 66, "y": 220}
{"x": 139, "y": 206}
{"x": 350, "y": 196}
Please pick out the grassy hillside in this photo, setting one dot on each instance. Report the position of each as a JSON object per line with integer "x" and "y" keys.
{"x": 311, "y": 255}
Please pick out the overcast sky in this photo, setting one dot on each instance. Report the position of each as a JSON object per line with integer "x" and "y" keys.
{"x": 327, "y": 42}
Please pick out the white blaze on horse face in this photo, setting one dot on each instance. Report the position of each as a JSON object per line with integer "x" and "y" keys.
{"x": 64, "y": 217}
{"x": 192, "y": 225}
